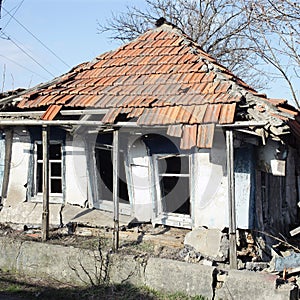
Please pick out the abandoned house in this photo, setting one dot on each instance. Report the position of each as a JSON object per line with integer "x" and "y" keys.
{"x": 186, "y": 142}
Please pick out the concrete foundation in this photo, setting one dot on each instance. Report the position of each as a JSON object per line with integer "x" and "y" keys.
{"x": 73, "y": 265}
{"x": 30, "y": 214}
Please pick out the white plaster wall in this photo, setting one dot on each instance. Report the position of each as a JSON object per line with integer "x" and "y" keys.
{"x": 211, "y": 193}
{"x": 210, "y": 190}
{"x": 140, "y": 185}
{"x": 2, "y": 159}
{"x": 76, "y": 171}
{"x": 211, "y": 186}
{"x": 19, "y": 166}
{"x": 242, "y": 196}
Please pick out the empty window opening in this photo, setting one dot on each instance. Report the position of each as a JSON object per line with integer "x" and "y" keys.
{"x": 55, "y": 168}
{"x": 174, "y": 177}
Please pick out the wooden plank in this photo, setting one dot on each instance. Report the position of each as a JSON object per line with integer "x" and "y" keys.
{"x": 101, "y": 111}
{"x": 116, "y": 189}
{"x": 22, "y": 114}
{"x": 45, "y": 215}
{"x": 258, "y": 203}
{"x": 231, "y": 200}
{"x": 243, "y": 124}
{"x": 7, "y": 162}
{"x": 295, "y": 231}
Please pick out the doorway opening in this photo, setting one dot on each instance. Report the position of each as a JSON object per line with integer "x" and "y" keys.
{"x": 105, "y": 173}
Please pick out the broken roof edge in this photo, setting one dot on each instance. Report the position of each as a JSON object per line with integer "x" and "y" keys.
{"x": 13, "y": 99}
{"x": 239, "y": 87}
{"x": 279, "y": 107}
{"x": 166, "y": 27}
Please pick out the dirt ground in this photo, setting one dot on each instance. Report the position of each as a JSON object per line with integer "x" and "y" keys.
{"x": 161, "y": 241}
{"x": 139, "y": 239}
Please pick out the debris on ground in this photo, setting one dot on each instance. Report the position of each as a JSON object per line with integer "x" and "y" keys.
{"x": 201, "y": 245}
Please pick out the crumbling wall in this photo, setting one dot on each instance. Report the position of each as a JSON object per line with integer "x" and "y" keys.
{"x": 20, "y": 161}
{"x": 210, "y": 191}
{"x": 211, "y": 186}
{"x": 83, "y": 267}
{"x": 76, "y": 171}
{"x": 244, "y": 174}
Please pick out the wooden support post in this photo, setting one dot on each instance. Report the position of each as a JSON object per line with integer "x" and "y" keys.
{"x": 116, "y": 190}
{"x": 7, "y": 162}
{"x": 231, "y": 200}
{"x": 45, "y": 215}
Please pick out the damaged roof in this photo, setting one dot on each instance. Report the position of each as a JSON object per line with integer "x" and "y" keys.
{"x": 161, "y": 78}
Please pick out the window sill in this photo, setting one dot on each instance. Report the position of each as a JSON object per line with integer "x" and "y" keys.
{"x": 53, "y": 199}
{"x": 172, "y": 219}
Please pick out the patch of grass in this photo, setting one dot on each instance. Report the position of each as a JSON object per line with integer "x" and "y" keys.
{"x": 171, "y": 296}
{"x": 13, "y": 288}
{"x": 17, "y": 287}
{"x": 137, "y": 247}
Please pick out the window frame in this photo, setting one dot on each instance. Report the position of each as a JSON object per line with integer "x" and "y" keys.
{"x": 37, "y": 194}
{"x": 171, "y": 218}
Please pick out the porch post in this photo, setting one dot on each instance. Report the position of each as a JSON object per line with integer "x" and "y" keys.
{"x": 45, "y": 215}
{"x": 7, "y": 162}
{"x": 231, "y": 199}
{"x": 116, "y": 189}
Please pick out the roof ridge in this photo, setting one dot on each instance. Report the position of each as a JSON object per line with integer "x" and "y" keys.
{"x": 163, "y": 67}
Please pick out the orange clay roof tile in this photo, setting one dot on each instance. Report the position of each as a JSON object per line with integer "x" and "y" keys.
{"x": 205, "y": 135}
{"x": 288, "y": 111}
{"x": 136, "y": 112}
{"x": 227, "y": 113}
{"x": 198, "y": 114}
{"x": 212, "y": 113}
{"x": 175, "y": 130}
{"x": 51, "y": 112}
{"x": 65, "y": 99}
{"x": 189, "y": 137}
{"x": 276, "y": 101}
{"x": 111, "y": 115}
{"x": 223, "y": 87}
{"x": 162, "y": 77}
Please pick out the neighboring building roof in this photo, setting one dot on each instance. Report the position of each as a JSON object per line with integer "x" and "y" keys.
{"x": 161, "y": 78}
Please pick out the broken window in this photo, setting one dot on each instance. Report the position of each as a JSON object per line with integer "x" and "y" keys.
{"x": 174, "y": 178}
{"x": 55, "y": 168}
{"x": 172, "y": 169}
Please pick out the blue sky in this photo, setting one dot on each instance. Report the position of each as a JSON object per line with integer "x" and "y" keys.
{"x": 68, "y": 28}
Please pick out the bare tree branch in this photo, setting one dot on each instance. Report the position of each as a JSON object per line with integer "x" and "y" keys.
{"x": 275, "y": 31}
{"x": 256, "y": 39}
